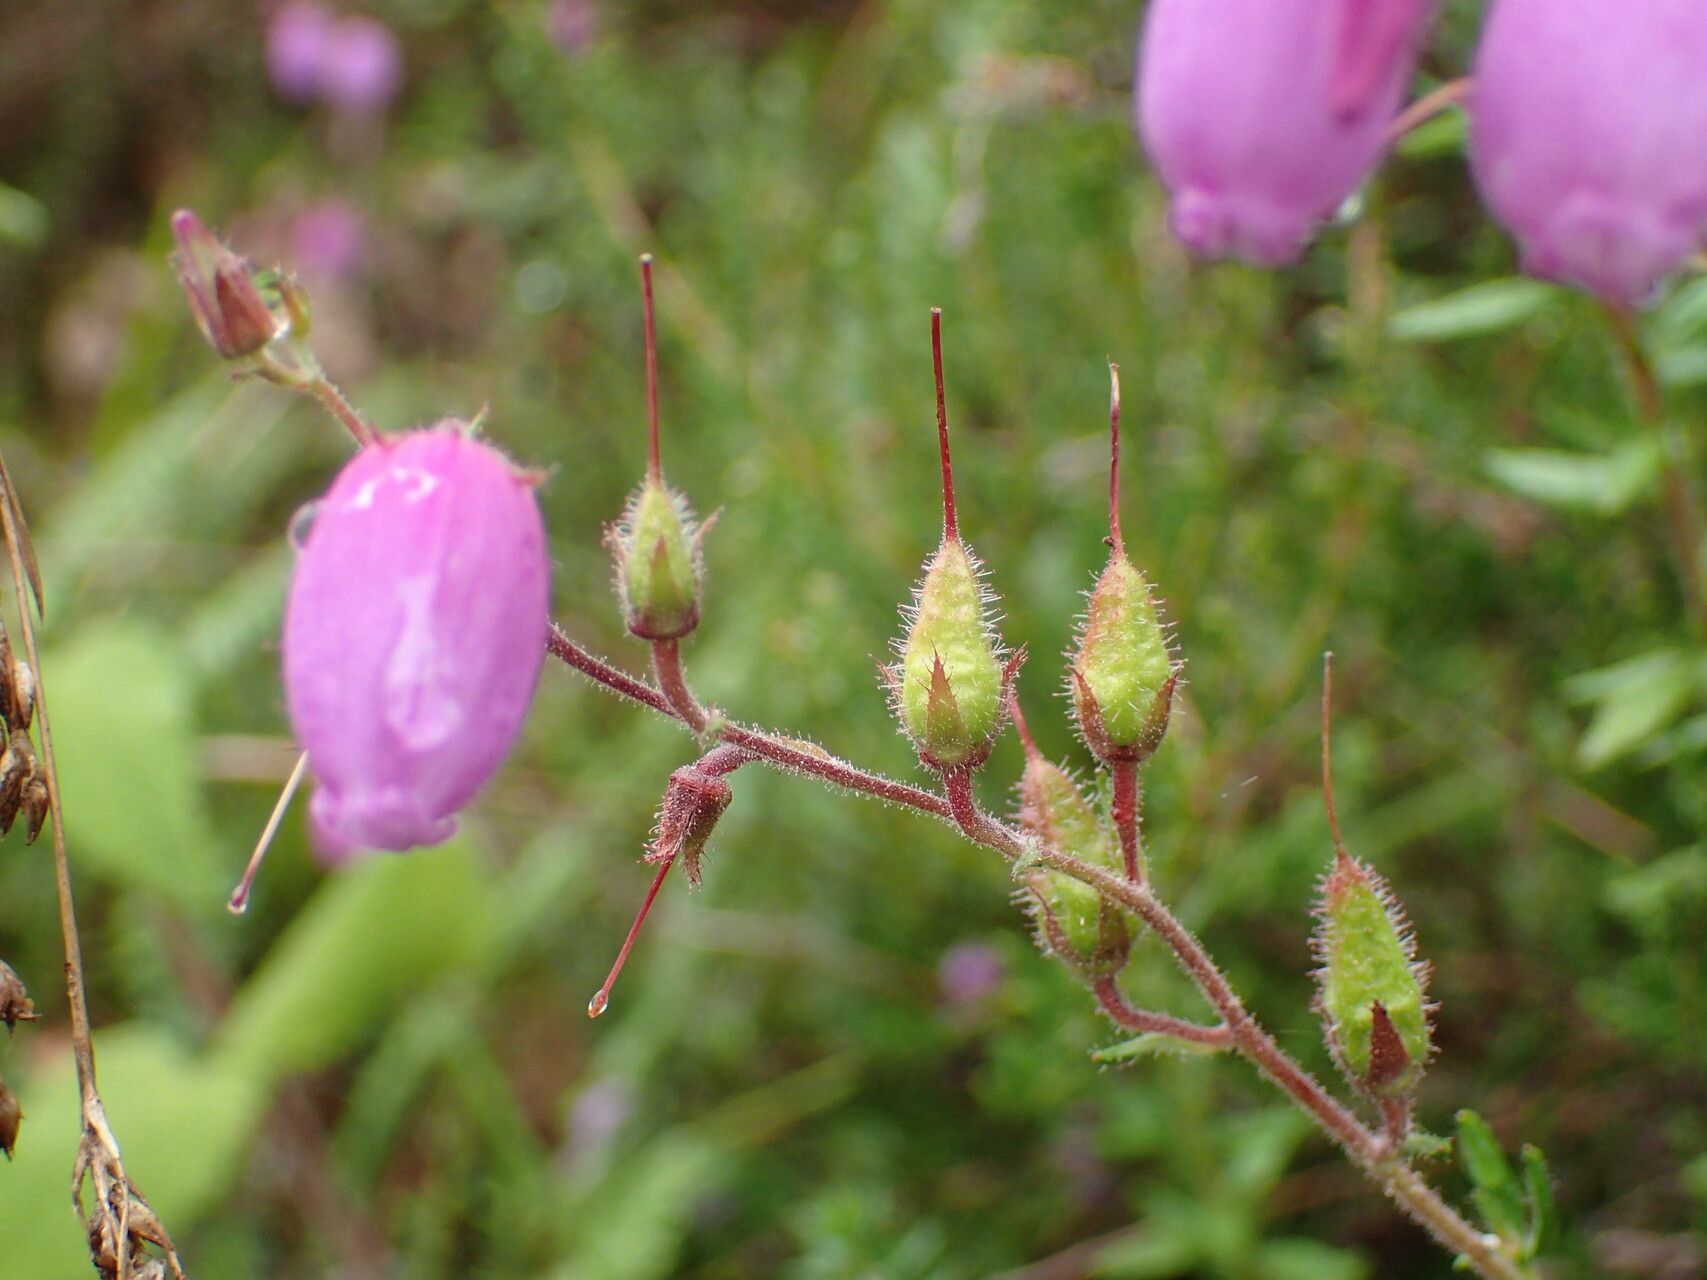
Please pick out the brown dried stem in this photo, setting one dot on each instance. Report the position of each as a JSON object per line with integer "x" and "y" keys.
{"x": 121, "y": 1219}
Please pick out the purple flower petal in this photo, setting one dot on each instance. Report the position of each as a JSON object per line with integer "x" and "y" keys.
{"x": 1262, "y": 116}
{"x": 296, "y": 44}
{"x": 1588, "y": 137}
{"x": 414, "y": 635}
{"x": 361, "y": 67}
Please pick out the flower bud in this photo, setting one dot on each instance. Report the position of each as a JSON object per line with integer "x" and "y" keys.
{"x": 1262, "y": 116}
{"x": 1588, "y": 137}
{"x": 1370, "y": 987}
{"x": 413, "y": 635}
{"x": 223, "y": 294}
{"x": 659, "y": 569}
{"x": 1123, "y": 674}
{"x": 949, "y": 681}
{"x": 1073, "y": 920}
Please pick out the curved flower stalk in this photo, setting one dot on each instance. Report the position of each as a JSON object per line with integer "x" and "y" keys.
{"x": 1090, "y": 891}
{"x": 1588, "y": 137}
{"x": 1262, "y": 116}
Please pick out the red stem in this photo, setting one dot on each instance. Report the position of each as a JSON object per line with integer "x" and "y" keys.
{"x": 667, "y": 664}
{"x": 654, "y": 462}
{"x": 1116, "y": 1006}
{"x": 601, "y": 997}
{"x": 1114, "y": 459}
{"x": 1126, "y": 817}
{"x": 950, "y": 521}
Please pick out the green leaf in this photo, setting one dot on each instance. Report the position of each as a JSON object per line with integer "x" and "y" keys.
{"x": 1635, "y": 700}
{"x": 1152, "y": 1044}
{"x": 374, "y": 935}
{"x": 1543, "y": 1213}
{"x": 1496, "y": 1191}
{"x": 1442, "y": 136}
{"x": 183, "y": 1124}
{"x": 1602, "y": 483}
{"x": 1472, "y": 312}
{"x": 129, "y": 766}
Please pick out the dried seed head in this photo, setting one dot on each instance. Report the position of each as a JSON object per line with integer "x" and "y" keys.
{"x": 11, "y": 1116}
{"x": 693, "y": 802}
{"x": 950, "y": 683}
{"x": 15, "y": 1003}
{"x": 1073, "y": 920}
{"x": 1123, "y": 675}
{"x": 17, "y": 770}
{"x": 37, "y": 803}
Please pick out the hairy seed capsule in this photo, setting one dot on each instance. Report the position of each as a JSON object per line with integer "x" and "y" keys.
{"x": 1370, "y": 988}
{"x": 413, "y": 636}
{"x": 1073, "y": 919}
{"x": 11, "y": 1116}
{"x": 950, "y": 682}
{"x": 1123, "y": 673}
{"x": 659, "y": 571}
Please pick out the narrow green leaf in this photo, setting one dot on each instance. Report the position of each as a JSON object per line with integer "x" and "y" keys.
{"x": 1151, "y": 1044}
{"x": 1480, "y": 309}
{"x": 1496, "y": 1191}
{"x": 1543, "y": 1212}
{"x": 1635, "y": 700}
{"x": 1605, "y": 484}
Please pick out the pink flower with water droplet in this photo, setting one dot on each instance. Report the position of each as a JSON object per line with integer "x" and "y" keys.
{"x": 1588, "y": 137}
{"x": 1262, "y": 116}
{"x": 414, "y": 634}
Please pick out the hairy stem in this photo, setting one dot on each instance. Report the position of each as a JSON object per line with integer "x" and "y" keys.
{"x": 1371, "y": 1151}
{"x": 1118, "y": 1008}
{"x": 1125, "y": 808}
{"x": 667, "y": 665}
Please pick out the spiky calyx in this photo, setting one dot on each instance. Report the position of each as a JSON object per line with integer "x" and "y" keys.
{"x": 950, "y": 682}
{"x": 1073, "y": 919}
{"x": 659, "y": 572}
{"x": 1371, "y": 989}
{"x": 1123, "y": 674}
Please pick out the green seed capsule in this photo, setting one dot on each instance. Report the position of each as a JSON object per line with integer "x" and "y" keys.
{"x": 1123, "y": 674}
{"x": 1370, "y": 987}
{"x": 658, "y": 569}
{"x": 949, "y": 679}
{"x": 1072, "y": 915}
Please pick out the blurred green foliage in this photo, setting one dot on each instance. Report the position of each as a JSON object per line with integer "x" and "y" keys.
{"x": 1397, "y": 451}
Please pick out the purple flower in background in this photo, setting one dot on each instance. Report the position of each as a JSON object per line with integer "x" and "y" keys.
{"x": 413, "y": 636}
{"x": 329, "y": 239}
{"x": 361, "y": 66}
{"x": 296, "y": 42}
{"x": 970, "y": 971}
{"x": 1262, "y": 116}
{"x": 1588, "y": 137}
{"x": 572, "y": 24}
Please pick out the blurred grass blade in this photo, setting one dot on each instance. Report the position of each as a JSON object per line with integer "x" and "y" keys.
{"x": 1473, "y": 312}
{"x": 1496, "y": 1191}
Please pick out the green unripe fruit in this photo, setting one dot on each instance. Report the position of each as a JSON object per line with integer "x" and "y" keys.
{"x": 1123, "y": 673}
{"x": 1053, "y": 809}
{"x": 949, "y": 679}
{"x": 658, "y": 570}
{"x": 1371, "y": 989}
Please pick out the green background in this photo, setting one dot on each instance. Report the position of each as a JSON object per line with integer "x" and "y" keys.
{"x": 1398, "y": 451}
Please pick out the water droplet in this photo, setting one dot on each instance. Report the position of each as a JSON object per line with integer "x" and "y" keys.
{"x": 301, "y": 525}
{"x": 598, "y": 1004}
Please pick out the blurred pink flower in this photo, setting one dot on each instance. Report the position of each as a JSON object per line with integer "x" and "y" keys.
{"x": 361, "y": 66}
{"x": 1588, "y": 137}
{"x": 1262, "y": 116}
{"x": 414, "y": 633}
{"x": 328, "y": 239}
{"x": 296, "y": 43}
{"x": 572, "y": 24}
{"x": 969, "y": 972}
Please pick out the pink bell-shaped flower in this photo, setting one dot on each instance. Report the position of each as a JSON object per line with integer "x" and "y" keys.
{"x": 1588, "y": 137}
{"x": 414, "y": 635}
{"x": 1262, "y": 116}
